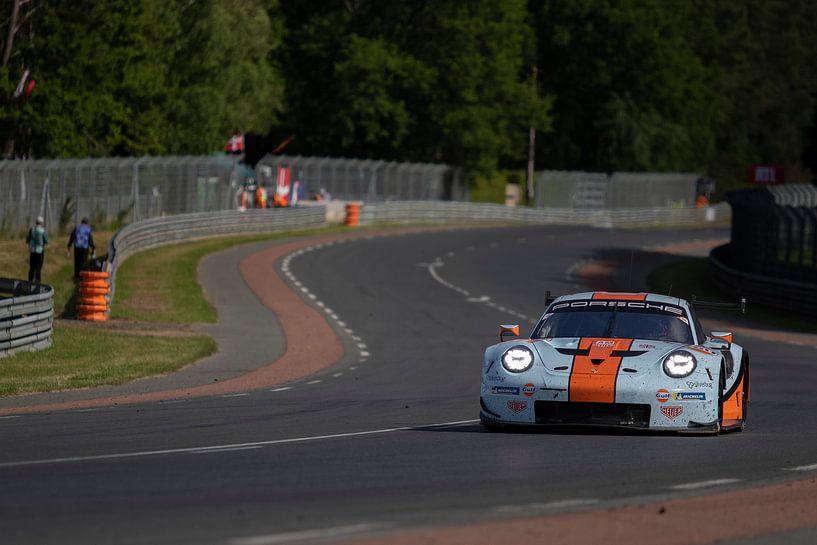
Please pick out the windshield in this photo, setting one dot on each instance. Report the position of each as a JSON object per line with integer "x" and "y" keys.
{"x": 630, "y": 320}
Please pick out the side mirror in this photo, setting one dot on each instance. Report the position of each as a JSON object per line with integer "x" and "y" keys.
{"x": 723, "y": 337}
{"x": 510, "y": 329}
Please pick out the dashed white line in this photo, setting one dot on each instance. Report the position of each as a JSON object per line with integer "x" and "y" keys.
{"x": 364, "y": 354}
{"x": 340, "y": 374}
{"x": 314, "y": 381}
{"x": 281, "y": 389}
{"x": 235, "y": 395}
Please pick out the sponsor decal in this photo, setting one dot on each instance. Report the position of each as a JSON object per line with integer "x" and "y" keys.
{"x": 517, "y": 406}
{"x": 689, "y": 396}
{"x": 683, "y": 320}
{"x": 495, "y": 378}
{"x": 702, "y": 350}
{"x": 628, "y": 304}
{"x": 672, "y": 411}
{"x": 605, "y": 344}
{"x": 647, "y": 346}
{"x": 662, "y": 395}
{"x": 505, "y": 390}
{"x": 528, "y": 389}
{"x": 698, "y": 384}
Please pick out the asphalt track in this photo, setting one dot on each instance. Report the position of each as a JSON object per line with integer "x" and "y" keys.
{"x": 386, "y": 439}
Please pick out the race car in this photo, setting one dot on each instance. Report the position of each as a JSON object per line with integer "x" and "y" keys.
{"x": 634, "y": 360}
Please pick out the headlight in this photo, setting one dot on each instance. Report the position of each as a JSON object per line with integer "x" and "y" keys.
{"x": 679, "y": 364}
{"x": 517, "y": 359}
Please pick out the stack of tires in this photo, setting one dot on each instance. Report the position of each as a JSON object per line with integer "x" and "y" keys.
{"x": 93, "y": 302}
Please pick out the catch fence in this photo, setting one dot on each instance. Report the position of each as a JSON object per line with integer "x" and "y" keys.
{"x": 593, "y": 190}
{"x": 774, "y": 232}
{"x": 368, "y": 180}
{"x": 125, "y": 190}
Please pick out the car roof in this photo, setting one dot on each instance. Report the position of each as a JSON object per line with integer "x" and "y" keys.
{"x": 624, "y": 296}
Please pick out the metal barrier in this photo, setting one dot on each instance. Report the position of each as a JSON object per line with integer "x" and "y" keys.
{"x": 793, "y": 296}
{"x": 26, "y": 316}
{"x": 438, "y": 212}
{"x": 774, "y": 232}
{"x": 368, "y": 180}
{"x": 184, "y": 227}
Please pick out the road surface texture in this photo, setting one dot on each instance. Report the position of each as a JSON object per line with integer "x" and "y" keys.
{"x": 385, "y": 441}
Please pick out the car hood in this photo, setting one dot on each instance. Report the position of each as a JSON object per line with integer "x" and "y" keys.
{"x": 558, "y": 354}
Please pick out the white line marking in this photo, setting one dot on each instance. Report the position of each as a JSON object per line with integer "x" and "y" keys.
{"x": 312, "y": 295}
{"x": 234, "y": 395}
{"x": 703, "y": 484}
{"x": 314, "y": 381}
{"x": 319, "y": 303}
{"x": 338, "y": 374}
{"x": 559, "y": 504}
{"x": 232, "y": 449}
{"x": 364, "y": 354}
{"x": 293, "y": 537}
{"x": 9, "y": 417}
{"x": 810, "y": 467}
{"x": 356, "y": 338}
{"x": 282, "y": 389}
{"x": 361, "y": 345}
{"x": 185, "y": 450}
{"x": 341, "y": 324}
{"x": 352, "y": 368}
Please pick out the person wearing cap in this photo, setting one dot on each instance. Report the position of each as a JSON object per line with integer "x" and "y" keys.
{"x": 37, "y": 239}
{"x": 83, "y": 240}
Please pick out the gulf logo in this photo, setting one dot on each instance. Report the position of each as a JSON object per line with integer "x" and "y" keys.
{"x": 662, "y": 395}
{"x": 528, "y": 389}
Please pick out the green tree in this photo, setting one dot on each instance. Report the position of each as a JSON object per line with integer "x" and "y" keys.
{"x": 631, "y": 94}
{"x": 433, "y": 81}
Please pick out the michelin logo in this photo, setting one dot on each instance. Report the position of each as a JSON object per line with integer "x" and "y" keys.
{"x": 689, "y": 396}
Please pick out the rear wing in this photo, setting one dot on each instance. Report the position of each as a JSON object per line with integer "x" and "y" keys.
{"x": 741, "y": 305}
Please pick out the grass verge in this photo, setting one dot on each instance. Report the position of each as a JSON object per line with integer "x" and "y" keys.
{"x": 160, "y": 284}
{"x": 82, "y": 357}
{"x": 691, "y": 276}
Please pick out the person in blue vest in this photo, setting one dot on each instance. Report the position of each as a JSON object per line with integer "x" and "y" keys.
{"x": 37, "y": 240}
{"x": 83, "y": 241}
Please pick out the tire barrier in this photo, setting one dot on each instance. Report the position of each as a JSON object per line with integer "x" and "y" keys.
{"x": 352, "y": 214}
{"x": 26, "y": 316}
{"x": 93, "y": 301}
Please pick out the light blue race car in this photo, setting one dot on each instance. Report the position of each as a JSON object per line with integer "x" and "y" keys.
{"x": 634, "y": 360}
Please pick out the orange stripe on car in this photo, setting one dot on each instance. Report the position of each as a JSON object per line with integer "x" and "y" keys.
{"x": 612, "y": 296}
{"x": 593, "y": 377}
{"x": 732, "y": 407}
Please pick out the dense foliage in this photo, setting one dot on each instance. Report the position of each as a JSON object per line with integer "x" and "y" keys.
{"x": 622, "y": 84}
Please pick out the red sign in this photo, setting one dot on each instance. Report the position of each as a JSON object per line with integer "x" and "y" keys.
{"x": 766, "y": 174}
{"x": 517, "y": 406}
{"x": 235, "y": 144}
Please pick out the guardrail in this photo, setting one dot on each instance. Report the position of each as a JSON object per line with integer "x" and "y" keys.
{"x": 790, "y": 295}
{"x": 26, "y": 316}
{"x": 450, "y": 211}
{"x": 184, "y": 227}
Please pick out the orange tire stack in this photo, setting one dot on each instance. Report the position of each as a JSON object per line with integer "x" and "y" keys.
{"x": 352, "y": 214}
{"x": 93, "y": 301}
